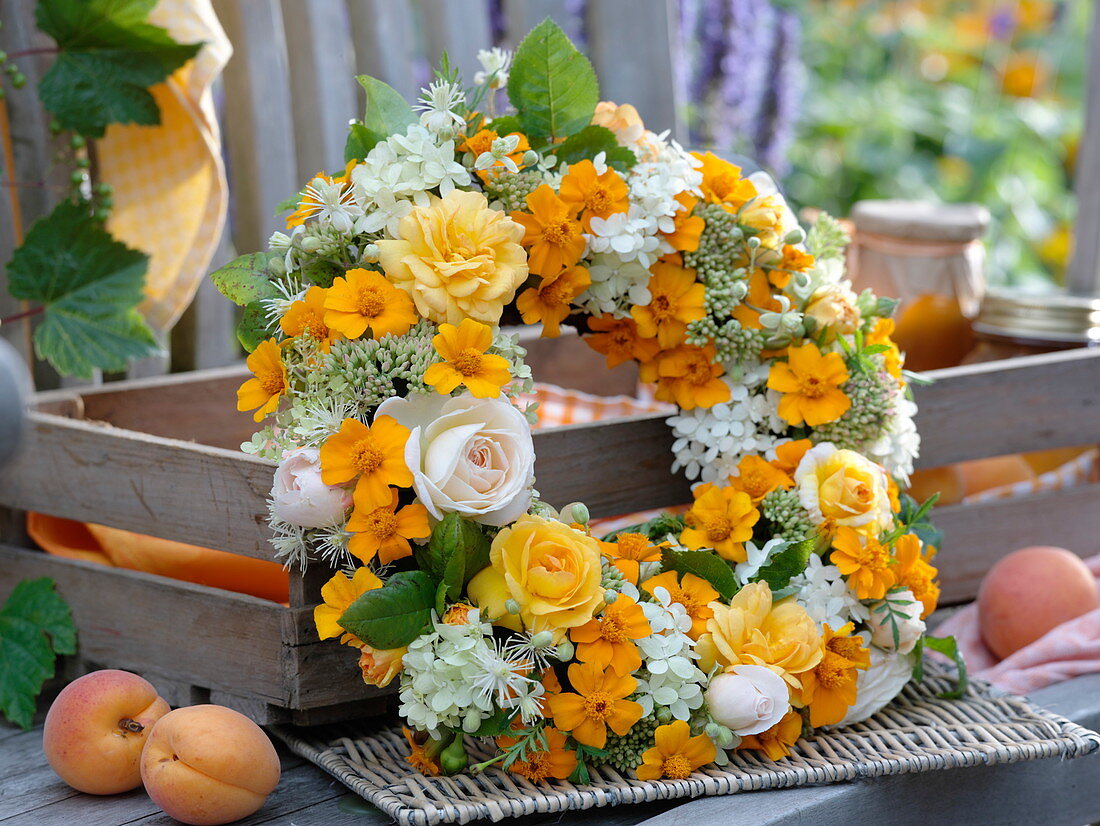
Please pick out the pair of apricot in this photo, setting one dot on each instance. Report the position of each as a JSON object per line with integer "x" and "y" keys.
{"x": 109, "y": 732}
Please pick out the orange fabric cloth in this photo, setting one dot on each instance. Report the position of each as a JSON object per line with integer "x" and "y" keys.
{"x": 137, "y": 552}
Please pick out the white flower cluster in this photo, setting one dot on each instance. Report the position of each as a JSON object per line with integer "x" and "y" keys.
{"x": 899, "y": 444}
{"x": 709, "y": 442}
{"x": 670, "y": 678}
{"x": 453, "y": 675}
{"x": 822, "y": 591}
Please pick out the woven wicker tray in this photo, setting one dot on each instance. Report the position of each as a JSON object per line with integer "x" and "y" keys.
{"x": 917, "y": 732}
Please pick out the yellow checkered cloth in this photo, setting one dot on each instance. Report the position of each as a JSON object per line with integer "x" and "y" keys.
{"x": 170, "y": 191}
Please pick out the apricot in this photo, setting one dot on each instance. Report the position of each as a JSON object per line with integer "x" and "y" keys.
{"x": 208, "y": 765}
{"x": 984, "y": 474}
{"x": 1029, "y": 592}
{"x": 96, "y": 728}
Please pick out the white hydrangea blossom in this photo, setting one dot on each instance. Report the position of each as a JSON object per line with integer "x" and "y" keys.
{"x": 439, "y": 682}
{"x": 709, "y": 442}
{"x": 670, "y": 677}
{"x": 825, "y": 595}
{"x": 616, "y": 286}
{"x": 406, "y": 167}
{"x": 632, "y": 235}
{"x": 899, "y": 444}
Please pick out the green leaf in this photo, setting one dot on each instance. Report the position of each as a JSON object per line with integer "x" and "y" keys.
{"x": 499, "y": 723}
{"x": 254, "y": 327}
{"x": 457, "y": 550}
{"x": 322, "y": 272}
{"x": 109, "y": 56}
{"x": 705, "y": 564}
{"x": 246, "y": 279}
{"x": 89, "y": 285}
{"x": 591, "y": 141}
{"x": 788, "y": 563}
{"x": 386, "y": 113}
{"x": 359, "y": 142}
{"x": 35, "y": 626}
{"x": 395, "y": 614}
{"x": 949, "y": 648}
{"x": 505, "y": 125}
{"x": 552, "y": 85}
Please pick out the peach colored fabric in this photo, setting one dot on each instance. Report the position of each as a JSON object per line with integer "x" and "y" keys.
{"x": 137, "y": 552}
{"x": 1070, "y": 650}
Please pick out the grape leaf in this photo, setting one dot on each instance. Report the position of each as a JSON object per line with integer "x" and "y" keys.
{"x": 787, "y": 563}
{"x": 89, "y": 285}
{"x": 108, "y": 56}
{"x": 245, "y": 279}
{"x": 395, "y": 614}
{"x": 35, "y": 626}
{"x": 552, "y": 85}
{"x": 254, "y": 326}
{"x": 703, "y": 564}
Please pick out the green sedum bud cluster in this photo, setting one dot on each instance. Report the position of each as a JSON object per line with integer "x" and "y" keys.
{"x": 787, "y": 516}
{"x": 625, "y": 752}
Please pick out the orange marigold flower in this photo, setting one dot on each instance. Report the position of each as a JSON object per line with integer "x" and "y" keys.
{"x": 607, "y": 640}
{"x": 336, "y": 595}
{"x": 364, "y": 299}
{"x": 795, "y": 260}
{"x": 676, "y": 299}
{"x": 758, "y": 477}
{"x": 777, "y": 741}
{"x": 385, "y": 531}
{"x": 597, "y": 702}
{"x": 307, "y": 317}
{"x": 466, "y": 361}
{"x": 549, "y": 302}
{"x": 789, "y": 454}
{"x": 556, "y": 762}
{"x": 722, "y": 519}
{"x": 864, "y": 561}
{"x": 829, "y": 688}
{"x": 759, "y": 300}
{"x": 675, "y": 754}
{"x": 268, "y": 382}
{"x": 881, "y": 334}
{"x": 723, "y": 184}
{"x": 551, "y": 231}
{"x": 691, "y": 591}
{"x": 594, "y": 195}
{"x": 458, "y": 614}
{"x": 688, "y": 226}
{"x": 628, "y": 551}
{"x": 619, "y": 340}
{"x": 689, "y": 377}
{"x": 375, "y": 456}
{"x": 915, "y": 573}
{"x": 419, "y": 757}
{"x": 810, "y": 383}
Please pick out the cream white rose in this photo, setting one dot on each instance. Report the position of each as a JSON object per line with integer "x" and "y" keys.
{"x": 833, "y": 306}
{"x": 299, "y": 497}
{"x": 878, "y": 685}
{"x": 747, "y": 699}
{"x": 905, "y": 610}
{"x": 842, "y": 487}
{"x": 469, "y": 456}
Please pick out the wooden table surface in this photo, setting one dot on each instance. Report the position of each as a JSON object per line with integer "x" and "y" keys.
{"x": 1050, "y": 792}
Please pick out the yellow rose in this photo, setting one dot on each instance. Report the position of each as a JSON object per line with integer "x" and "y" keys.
{"x": 841, "y": 487}
{"x": 550, "y": 570}
{"x": 753, "y": 631}
{"x": 379, "y": 667}
{"x": 457, "y": 258}
{"x": 770, "y": 216}
{"x": 833, "y": 306}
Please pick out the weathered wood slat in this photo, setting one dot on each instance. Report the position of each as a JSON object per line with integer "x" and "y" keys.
{"x": 175, "y": 490}
{"x": 1010, "y": 406}
{"x": 386, "y": 43}
{"x": 978, "y": 534}
{"x": 259, "y": 119}
{"x": 141, "y": 622}
{"x": 632, "y": 44}
{"x": 321, "y": 63}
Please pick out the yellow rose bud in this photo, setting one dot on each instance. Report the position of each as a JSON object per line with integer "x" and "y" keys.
{"x": 379, "y": 667}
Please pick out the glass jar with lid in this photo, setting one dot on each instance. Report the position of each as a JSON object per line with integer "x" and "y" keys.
{"x": 1023, "y": 323}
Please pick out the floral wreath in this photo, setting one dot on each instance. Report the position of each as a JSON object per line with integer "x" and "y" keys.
{"x": 791, "y": 594}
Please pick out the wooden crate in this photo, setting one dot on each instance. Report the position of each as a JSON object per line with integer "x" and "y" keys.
{"x": 160, "y": 456}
